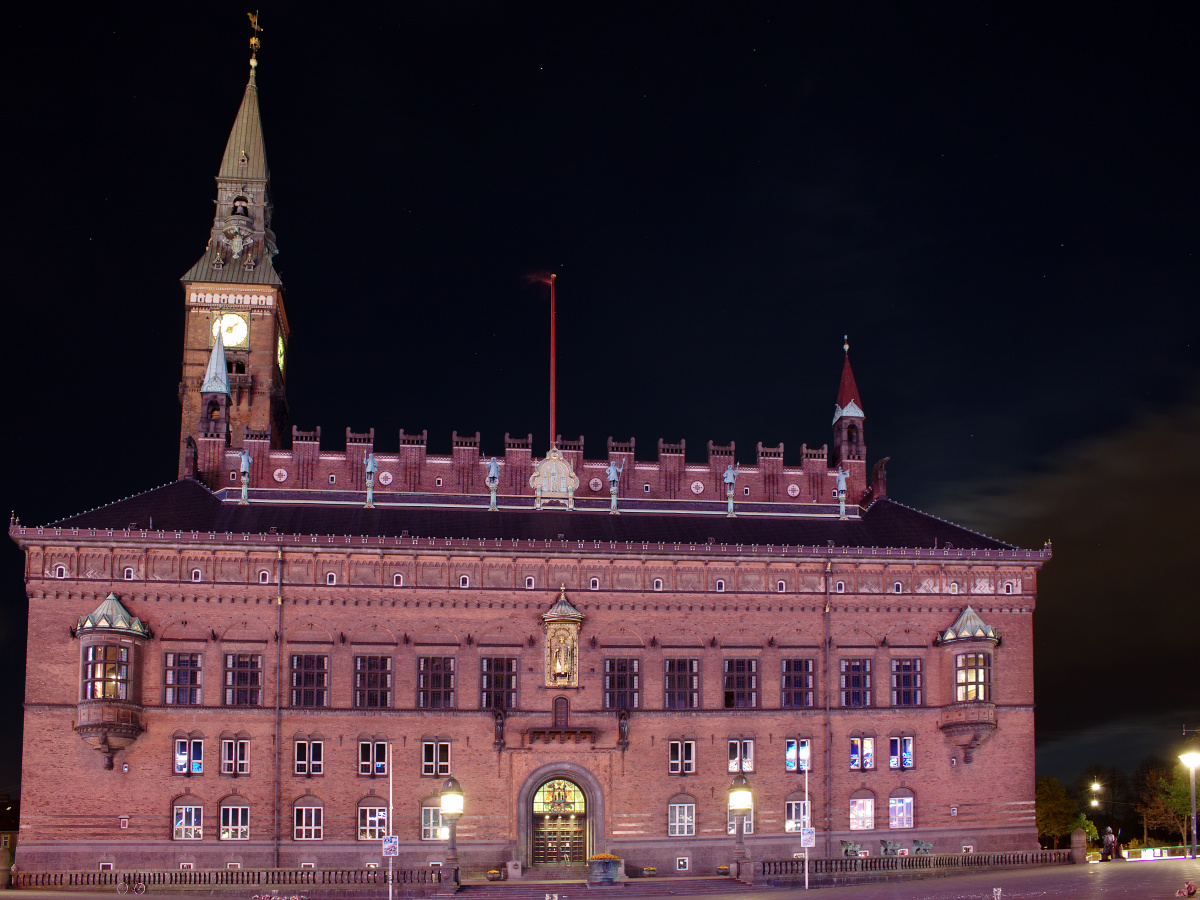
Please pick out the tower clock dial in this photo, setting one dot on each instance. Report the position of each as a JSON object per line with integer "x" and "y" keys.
{"x": 279, "y": 354}
{"x": 234, "y": 329}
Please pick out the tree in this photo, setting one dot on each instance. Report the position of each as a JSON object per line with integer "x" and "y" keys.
{"x": 1168, "y": 802}
{"x": 1055, "y": 810}
{"x": 1089, "y": 828}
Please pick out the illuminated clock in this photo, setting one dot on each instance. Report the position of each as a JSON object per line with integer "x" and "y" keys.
{"x": 233, "y": 327}
{"x": 279, "y": 352}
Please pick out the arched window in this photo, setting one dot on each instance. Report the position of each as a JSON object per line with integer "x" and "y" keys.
{"x": 264, "y": 576}
{"x": 562, "y": 711}
{"x": 954, "y": 587}
{"x": 464, "y": 581}
{"x": 900, "y": 809}
{"x": 196, "y": 575}
{"x": 681, "y": 816}
{"x": 333, "y": 479}
{"x": 308, "y": 819}
{"x": 797, "y": 813}
{"x": 214, "y": 410}
{"x": 372, "y": 818}
{"x": 645, "y": 488}
{"x": 780, "y": 586}
{"x": 657, "y": 584}
{"x": 720, "y": 585}
{"x": 852, "y": 434}
{"x": 60, "y": 571}
{"x": 235, "y": 819}
{"x": 188, "y": 817}
{"x": 128, "y": 575}
{"x": 330, "y": 578}
{"x": 840, "y": 587}
{"x": 529, "y": 583}
{"x": 862, "y": 810}
{"x": 241, "y": 207}
{"x": 594, "y": 584}
{"x": 897, "y": 588}
{"x": 398, "y": 580}
{"x": 1008, "y": 587}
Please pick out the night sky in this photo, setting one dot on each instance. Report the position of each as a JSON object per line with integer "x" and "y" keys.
{"x": 996, "y": 201}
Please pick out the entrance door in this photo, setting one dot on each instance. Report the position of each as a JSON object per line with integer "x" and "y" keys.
{"x": 559, "y": 824}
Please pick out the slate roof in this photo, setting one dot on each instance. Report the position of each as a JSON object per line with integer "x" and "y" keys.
{"x": 189, "y": 506}
{"x": 234, "y": 271}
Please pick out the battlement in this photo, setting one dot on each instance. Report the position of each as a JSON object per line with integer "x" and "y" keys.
{"x": 412, "y": 470}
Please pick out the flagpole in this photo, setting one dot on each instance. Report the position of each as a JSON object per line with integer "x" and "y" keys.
{"x": 553, "y": 432}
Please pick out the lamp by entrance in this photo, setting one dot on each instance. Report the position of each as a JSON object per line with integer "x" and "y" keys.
{"x": 559, "y": 824}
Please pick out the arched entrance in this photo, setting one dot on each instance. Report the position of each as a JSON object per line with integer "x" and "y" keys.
{"x": 590, "y": 798}
{"x": 559, "y": 824}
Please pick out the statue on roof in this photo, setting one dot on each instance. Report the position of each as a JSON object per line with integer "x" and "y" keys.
{"x": 731, "y": 474}
{"x": 613, "y": 473}
{"x": 493, "y": 470}
{"x": 372, "y": 465}
{"x": 246, "y": 458}
{"x": 842, "y": 475}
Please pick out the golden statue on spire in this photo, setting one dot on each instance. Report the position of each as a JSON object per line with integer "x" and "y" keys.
{"x": 255, "y": 43}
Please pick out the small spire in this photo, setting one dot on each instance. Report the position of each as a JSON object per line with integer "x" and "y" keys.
{"x": 216, "y": 377}
{"x": 848, "y": 401}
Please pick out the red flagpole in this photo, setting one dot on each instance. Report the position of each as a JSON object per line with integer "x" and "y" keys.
{"x": 553, "y": 432}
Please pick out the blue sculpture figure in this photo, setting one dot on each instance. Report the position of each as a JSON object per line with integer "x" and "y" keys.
{"x": 246, "y": 458}
{"x": 731, "y": 474}
{"x": 613, "y": 474}
{"x": 372, "y": 466}
{"x": 493, "y": 469}
{"x": 842, "y": 475}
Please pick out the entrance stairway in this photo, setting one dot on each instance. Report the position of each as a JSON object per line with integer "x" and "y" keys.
{"x": 577, "y": 889}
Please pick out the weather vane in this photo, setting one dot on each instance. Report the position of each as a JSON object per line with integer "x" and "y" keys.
{"x": 255, "y": 43}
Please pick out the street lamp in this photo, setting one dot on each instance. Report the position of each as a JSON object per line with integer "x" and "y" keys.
{"x": 1095, "y": 791}
{"x": 741, "y": 801}
{"x": 452, "y": 809}
{"x": 1191, "y": 759}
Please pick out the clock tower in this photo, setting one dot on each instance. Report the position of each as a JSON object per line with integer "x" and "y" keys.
{"x": 234, "y": 292}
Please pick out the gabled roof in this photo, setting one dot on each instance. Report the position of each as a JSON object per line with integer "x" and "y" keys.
{"x": 110, "y": 615}
{"x": 216, "y": 376}
{"x": 968, "y": 627}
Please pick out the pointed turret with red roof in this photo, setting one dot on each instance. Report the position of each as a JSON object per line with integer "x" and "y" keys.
{"x": 849, "y": 451}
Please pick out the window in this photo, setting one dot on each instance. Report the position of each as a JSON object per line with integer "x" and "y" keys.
{"x": 181, "y": 672}
{"x": 682, "y": 757}
{"x": 128, "y": 575}
{"x": 189, "y": 756}
{"x": 435, "y": 758}
{"x": 529, "y": 583}
{"x": 972, "y": 677}
{"x": 106, "y": 672}
{"x": 658, "y": 584}
{"x": 681, "y": 688}
{"x": 856, "y": 682}
{"x": 798, "y": 682}
{"x": 310, "y": 679}
{"x": 840, "y": 587}
{"x": 780, "y": 586}
{"x": 435, "y": 682}
{"x": 330, "y": 578}
{"x": 372, "y": 823}
{"x": 906, "y": 682}
{"x": 189, "y": 823}
{"x": 437, "y": 482}
{"x": 797, "y": 754}
{"x": 900, "y": 753}
{"x": 372, "y": 758}
{"x": 681, "y": 819}
{"x": 243, "y": 679}
{"x": 622, "y": 684}
{"x": 397, "y": 580}
{"x": 862, "y": 813}
{"x": 594, "y": 584}
{"x": 310, "y": 757}
{"x": 900, "y": 812}
{"x": 731, "y": 822}
{"x": 235, "y": 756}
{"x": 1008, "y": 587}
{"x": 720, "y": 585}
{"x": 645, "y": 488}
{"x": 372, "y": 682}
{"x": 195, "y": 574}
{"x": 308, "y": 822}
{"x": 741, "y": 683}
{"x": 431, "y": 823}
{"x": 897, "y": 588}
{"x": 333, "y": 479}
{"x": 235, "y": 823}
{"x": 464, "y": 581}
{"x": 264, "y": 576}
{"x": 797, "y": 814}
{"x": 741, "y": 756}
{"x": 498, "y": 682}
{"x": 745, "y": 492}
{"x": 862, "y": 753}
{"x": 60, "y": 571}
{"x": 954, "y": 587}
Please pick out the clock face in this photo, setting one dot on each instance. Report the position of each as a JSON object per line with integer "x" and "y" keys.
{"x": 234, "y": 329}
{"x": 279, "y": 352}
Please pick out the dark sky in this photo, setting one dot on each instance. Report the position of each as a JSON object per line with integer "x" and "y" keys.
{"x": 996, "y": 201}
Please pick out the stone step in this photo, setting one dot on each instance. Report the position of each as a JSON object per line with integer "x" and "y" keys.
{"x": 524, "y": 889}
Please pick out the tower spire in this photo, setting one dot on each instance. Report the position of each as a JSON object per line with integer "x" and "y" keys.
{"x": 216, "y": 376}
{"x": 848, "y": 415}
{"x": 848, "y": 401}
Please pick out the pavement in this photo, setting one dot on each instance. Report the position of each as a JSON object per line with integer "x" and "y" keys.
{"x": 1150, "y": 880}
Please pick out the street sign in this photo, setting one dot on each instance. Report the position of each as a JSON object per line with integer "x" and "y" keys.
{"x": 808, "y": 837}
{"x": 391, "y": 845}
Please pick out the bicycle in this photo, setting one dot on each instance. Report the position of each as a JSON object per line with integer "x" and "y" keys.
{"x": 124, "y": 887}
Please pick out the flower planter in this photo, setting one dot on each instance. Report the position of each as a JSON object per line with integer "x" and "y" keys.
{"x": 722, "y": 870}
{"x": 495, "y": 875}
{"x": 603, "y": 871}
{"x": 649, "y": 871}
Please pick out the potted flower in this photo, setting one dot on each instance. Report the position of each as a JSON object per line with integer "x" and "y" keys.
{"x": 722, "y": 870}
{"x": 602, "y": 868}
{"x": 494, "y": 875}
{"x": 649, "y": 871}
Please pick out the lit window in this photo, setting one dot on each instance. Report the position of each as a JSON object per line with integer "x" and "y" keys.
{"x": 308, "y": 821}
{"x": 741, "y": 756}
{"x": 972, "y": 677}
{"x": 796, "y": 815}
{"x": 498, "y": 682}
{"x": 796, "y": 754}
{"x": 129, "y": 575}
{"x": 622, "y": 683}
{"x": 862, "y": 753}
{"x": 681, "y": 757}
{"x": 431, "y": 823}
{"x": 372, "y": 682}
{"x": 372, "y": 823}
{"x": 235, "y": 823}
{"x": 900, "y": 753}
{"x": 681, "y": 688}
{"x": 310, "y": 679}
{"x": 106, "y": 672}
{"x": 189, "y": 822}
{"x": 855, "y": 682}
{"x": 189, "y": 756}
{"x": 862, "y": 814}
{"x": 741, "y": 683}
{"x": 235, "y": 756}
{"x": 435, "y": 758}
{"x": 243, "y": 679}
{"x": 954, "y": 587}
{"x": 900, "y": 812}
{"x": 372, "y": 758}
{"x": 181, "y": 672}
{"x": 310, "y": 757}
{"x": 681, "y": 819}
{"x": 906, "y": 682}
{"x": 435, "y": 682}
{"x": 798, "y": 683}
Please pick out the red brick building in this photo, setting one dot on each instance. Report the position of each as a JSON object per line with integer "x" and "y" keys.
{"x": 231, "y": 669}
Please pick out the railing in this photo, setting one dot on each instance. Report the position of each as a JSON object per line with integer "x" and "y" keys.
{"x": 789, "y": 868}
{"x": 225, "y": 877}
